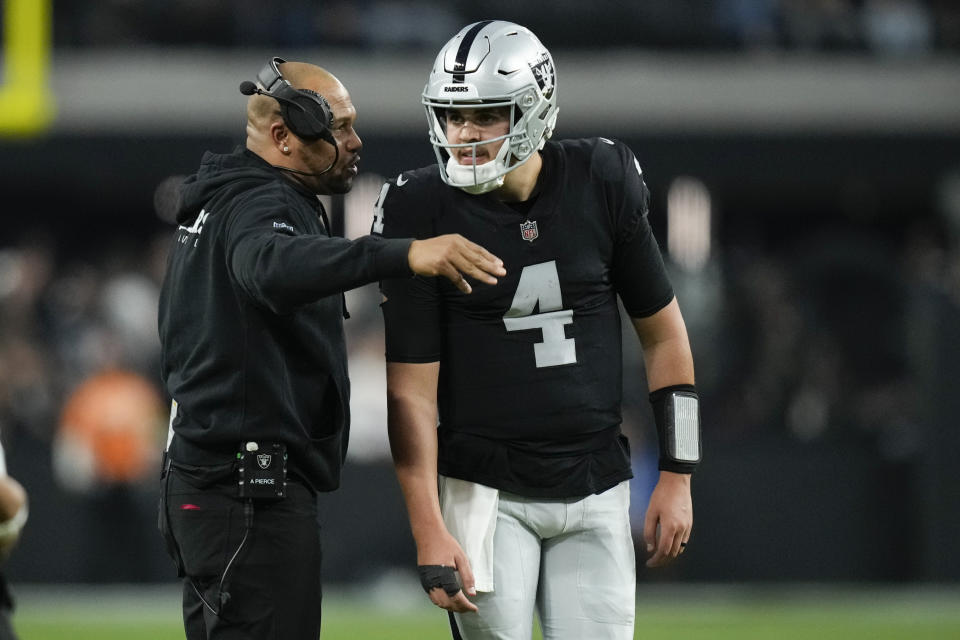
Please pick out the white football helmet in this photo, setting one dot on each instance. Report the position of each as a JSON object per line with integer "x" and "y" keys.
{"x": 492, "y": 64}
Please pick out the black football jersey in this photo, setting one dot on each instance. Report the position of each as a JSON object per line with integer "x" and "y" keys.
{"x": 530, "y": 368}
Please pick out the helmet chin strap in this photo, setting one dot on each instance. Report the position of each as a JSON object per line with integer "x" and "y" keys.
{"x": 474, "y": 179}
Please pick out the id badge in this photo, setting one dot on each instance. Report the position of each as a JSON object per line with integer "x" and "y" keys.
{"x": 262, "y": 470}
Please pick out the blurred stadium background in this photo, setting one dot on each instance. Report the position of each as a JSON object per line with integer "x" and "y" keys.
{"x": 804, "y": 161}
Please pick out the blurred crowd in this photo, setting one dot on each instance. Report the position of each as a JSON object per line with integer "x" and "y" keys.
{"x": 827, "y": 331}
{"x": 884, "y": 27}
{"x": 66, "y": 322}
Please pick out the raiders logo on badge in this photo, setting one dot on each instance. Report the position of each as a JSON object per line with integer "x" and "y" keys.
{"x": 528, "y": 230}
{"x": 263, "y": 459}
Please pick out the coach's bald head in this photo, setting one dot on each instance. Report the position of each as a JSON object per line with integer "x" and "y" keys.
{"x": 270, "y": 138}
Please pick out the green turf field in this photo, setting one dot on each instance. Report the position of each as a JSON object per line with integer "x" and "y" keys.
{"x": 703, "y": 612}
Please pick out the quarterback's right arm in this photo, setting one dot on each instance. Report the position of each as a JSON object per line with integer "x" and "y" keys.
{"x": 412, "y": 426}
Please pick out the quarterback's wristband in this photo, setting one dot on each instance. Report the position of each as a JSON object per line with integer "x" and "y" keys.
{"x": 676, "y": 411}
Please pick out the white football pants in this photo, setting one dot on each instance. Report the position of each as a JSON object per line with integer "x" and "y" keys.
{"x": 571, "y": 560}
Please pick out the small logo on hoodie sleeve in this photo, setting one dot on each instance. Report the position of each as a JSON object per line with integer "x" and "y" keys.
{"x": 284, "y": 228}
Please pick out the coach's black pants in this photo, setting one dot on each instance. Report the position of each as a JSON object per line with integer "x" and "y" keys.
{"x": 271, "y": 590}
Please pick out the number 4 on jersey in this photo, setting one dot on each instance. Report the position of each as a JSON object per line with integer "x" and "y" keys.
{"x": 377, "y": 226}
{"x": 540, "y": 287}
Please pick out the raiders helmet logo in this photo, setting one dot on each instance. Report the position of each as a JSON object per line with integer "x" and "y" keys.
{"x": 264, "y": 459}
{"x": 542, "y": 70}
{"x": 528, "y": 231}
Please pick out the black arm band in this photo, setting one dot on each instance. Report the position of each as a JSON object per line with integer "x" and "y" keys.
{"x": 437, "y": 575}
{"x": 676, "y": 411}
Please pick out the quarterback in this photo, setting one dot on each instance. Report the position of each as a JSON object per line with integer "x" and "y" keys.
{"x": 505, "y": 405}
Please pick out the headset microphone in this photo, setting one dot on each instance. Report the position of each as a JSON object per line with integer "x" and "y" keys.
{"x": 247, "y": 88}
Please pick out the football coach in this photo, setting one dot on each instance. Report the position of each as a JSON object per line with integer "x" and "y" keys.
{"x": 254, "y": 358}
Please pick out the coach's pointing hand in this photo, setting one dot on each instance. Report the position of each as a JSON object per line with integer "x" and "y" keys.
{"x": 454, "y": 257}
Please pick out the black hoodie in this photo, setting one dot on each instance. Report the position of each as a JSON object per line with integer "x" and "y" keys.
{"x": 251, "y": 322}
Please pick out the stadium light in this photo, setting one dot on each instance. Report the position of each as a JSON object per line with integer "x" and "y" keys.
{"x": 688, "y": 223}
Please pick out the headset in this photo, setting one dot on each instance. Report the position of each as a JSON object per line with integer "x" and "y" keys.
{"x": 306, "y": 113}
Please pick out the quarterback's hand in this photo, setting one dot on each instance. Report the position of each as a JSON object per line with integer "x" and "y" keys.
{"x": 454, "y": 257}
{"x": 670, "y": 511}
{"x": 445, "y": 550}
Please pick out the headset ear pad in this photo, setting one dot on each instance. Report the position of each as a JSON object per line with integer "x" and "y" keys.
{"x": 306, "y": 113}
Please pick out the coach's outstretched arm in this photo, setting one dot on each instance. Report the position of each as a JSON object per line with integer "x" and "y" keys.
{"x": 669, "y": 365}
{"x": 412, "y": 425}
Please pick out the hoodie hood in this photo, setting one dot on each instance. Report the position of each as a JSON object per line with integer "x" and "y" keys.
{"x": 234, "y": 172}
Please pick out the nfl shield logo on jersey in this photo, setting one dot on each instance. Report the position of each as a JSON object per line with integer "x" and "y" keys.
{"x": 529, "y": 230}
